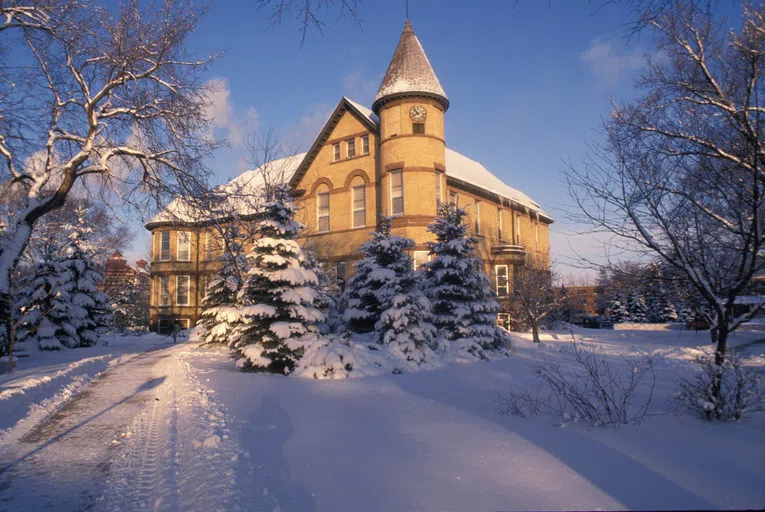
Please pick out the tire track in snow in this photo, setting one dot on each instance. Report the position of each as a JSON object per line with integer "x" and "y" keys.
{"x": 180, "y": 455}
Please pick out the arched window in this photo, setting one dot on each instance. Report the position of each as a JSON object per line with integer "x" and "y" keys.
{"x": 322, "y": 208}
{"x": 358, "y": 202}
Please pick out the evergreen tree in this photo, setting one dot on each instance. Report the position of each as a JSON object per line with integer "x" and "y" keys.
{"x": 220, "y": 303}
{"x": 277, "y": 295}
{"x": 45, "y": 308}
{"x": 362, "y": 296}
{"x": 326, "y": 293}
{"x": 565, "y": 304}
{"x": 130, "y": 303}
{"x": 618, "y": 311}
{"x": 637, "y": 309}
{"x": 90, "y": 311}
{"x": 463, "y": 303}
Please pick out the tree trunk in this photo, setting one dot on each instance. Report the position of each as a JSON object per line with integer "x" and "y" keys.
{"x": 722, "y": 344}
{"x": 535, "y": 330}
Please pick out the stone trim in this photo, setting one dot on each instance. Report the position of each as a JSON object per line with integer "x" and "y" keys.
{"x": 405, "y": 135}
{"x": 347, "y": 137}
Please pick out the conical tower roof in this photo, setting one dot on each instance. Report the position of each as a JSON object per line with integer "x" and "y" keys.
{"x": 409, "y": 73}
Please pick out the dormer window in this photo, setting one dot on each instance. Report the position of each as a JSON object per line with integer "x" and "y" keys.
{"x": 351, "y": 148}
{"x": 418, "y": 128}
{"x": 365, "y": 145}
{"x": 336, "y": 152}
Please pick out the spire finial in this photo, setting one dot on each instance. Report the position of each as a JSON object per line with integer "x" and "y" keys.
{"x": 407, "y": 9}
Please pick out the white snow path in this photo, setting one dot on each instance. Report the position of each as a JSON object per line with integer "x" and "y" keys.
{"x": 144, "y": 435}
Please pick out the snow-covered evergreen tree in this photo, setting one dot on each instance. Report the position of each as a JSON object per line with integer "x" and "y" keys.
{"x": 463, "y": 303}
{"x": 618, "y": 311}
{"x": 45, "y": 308}
{"x": 278, "y": 294}
{"x": 90, "y": 311}
{"x": 220, "y": 303}
{"x": 326, "y": 293}
{"x": 130, "y": 302}
{"x": 637, "y": 309}
{"x": 362, "y": 296}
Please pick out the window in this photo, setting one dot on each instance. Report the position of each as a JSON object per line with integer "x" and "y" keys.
{"x": 340, "y": 274}
{"x": 503, "y": 286}
{"x": 208, "y": 246}
{"x": 477, "y": 219}
{"x": 185, "y": 323}
{"x": 499, "y": 223}
{"x": 164, "y": 290}
{"x": 396, "y": 193}
{"x": 418, "y": 128}
{"x": 536, "y": 231}
{"x": 438, "y": 189}
{"x": 322, "y": 208}
{"x": 351, "y": 148}
{"x": 420, "y": 259}
{"x": 336, "y": 152}
{"x": 358, "y": 200}
{"x": 164, "y": 246}
{"x": 454, "y": 198}
{"x": 518, "y": 229}
{"x": 365, "y": 145}
{"x": 182, "y": 285}
{"x": 184, "y": 246}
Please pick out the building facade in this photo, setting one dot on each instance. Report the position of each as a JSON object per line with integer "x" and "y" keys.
{"x": 391, "y": 160}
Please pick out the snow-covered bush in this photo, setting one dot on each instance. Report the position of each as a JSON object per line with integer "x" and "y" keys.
{"x": 463, "y": 303}
{"x": 740, "y": 389}
{"x": 277, "y": 297}
{"x": 595, "y": 390}
{"x": 618, "y": 311}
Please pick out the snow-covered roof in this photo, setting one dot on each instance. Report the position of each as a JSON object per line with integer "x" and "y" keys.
{"x": 465, "y": 169}
{"x": 364, "y": 111}
{"x": 242, "y": 193}
{"x": 409, "y": 72}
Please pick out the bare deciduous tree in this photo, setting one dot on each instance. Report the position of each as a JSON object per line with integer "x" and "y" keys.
{"x": 533, "y": 296}
{"x": 309, "y": 12}
{"x": 111, "y": 99}
{"x": 680, "y": 174}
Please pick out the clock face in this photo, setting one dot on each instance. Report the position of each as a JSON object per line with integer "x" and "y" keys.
{"x": 418, "y": 113}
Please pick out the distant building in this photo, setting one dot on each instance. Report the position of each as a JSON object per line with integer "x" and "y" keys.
{"x": 119, "y": 273}
{"x": 391, "y": 159}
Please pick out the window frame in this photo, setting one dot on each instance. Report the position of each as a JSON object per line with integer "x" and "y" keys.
{"x": 418, "y": 128}
{"x": 428, "y": 258}
{"x": 208, "y": 246}
{"x": 360, "y": 184}
{"x": 365, "y": 145}
{"x": 165, "y": 289}
{"x": 350, "y": 148}
{"x": 454, "y": 198}
{"x": 439, "y": 189}
{"x": 496, "y": 281}
{"x": 162, "y": 255}
{"x": 321, "y": 190}
{"x": 336, "y": 152}
{"x": 187, "y": 235}
{"x": 178, "y": 288}
{"x": 391, "y": 174}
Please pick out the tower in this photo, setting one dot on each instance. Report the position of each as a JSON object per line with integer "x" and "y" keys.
{"x": 411, "y": 104}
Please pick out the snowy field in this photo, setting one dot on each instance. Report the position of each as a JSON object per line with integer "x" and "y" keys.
{"x": 179, "y": 428}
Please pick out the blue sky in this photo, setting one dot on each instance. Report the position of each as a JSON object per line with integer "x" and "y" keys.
{"x": 529, "y": 83}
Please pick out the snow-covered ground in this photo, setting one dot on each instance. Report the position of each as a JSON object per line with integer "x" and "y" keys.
{"x": 180, "y": 428}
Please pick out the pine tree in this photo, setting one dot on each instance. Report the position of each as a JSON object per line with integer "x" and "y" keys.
{"x": 618, "y": 311}
{"x": 637, "y": 309}
{"x": 326, "y": 293}
{"x": 220, "y": 303}
{"x": 362, "y": 296}
{"x": 45, "y": 308}
{"x": 90, "y": 312}
{"x": 464, "y": 307}
{"x": 277, "y": 295}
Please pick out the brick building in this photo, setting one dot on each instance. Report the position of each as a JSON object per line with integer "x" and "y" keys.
{"x": 391, "y": 159}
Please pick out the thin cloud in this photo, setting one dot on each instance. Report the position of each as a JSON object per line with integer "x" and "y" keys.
{"x": 610, "y": 62}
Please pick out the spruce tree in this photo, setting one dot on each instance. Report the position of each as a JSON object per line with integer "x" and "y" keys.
{"x": 618, "y": 311}
{"x": 220, "y": 302}
{"x": 277, "y": 297}
{"x": 637, "y": 309}
{"x": 90, "y": 312}
{"x": 363, "y": 296}
{"x": 463, "y": 303}
{"x": 326, "y": 293}
{"x": 45, "y": 308}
